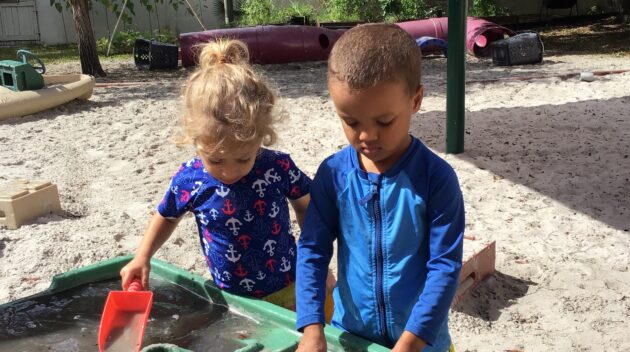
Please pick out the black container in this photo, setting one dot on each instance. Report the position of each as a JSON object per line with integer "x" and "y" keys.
{"x": 521, "y": 49}
{"x": 299, "y": 20}
{"x": 151, "y": 55}
{"x": 559, "y": 4}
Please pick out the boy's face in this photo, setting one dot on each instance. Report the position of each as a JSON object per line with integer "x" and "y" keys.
{"x": 376, "y": 120}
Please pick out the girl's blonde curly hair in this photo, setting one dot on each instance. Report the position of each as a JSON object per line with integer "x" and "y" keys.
{"x": 227, "y": 103}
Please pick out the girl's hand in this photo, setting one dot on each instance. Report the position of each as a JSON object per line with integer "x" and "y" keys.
{"x": 158, "y": 231}
{"x": 138, "y": 267}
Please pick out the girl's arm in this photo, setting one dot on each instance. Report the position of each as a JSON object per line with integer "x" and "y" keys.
{"x": 300, "y": 205}
{"x": 157, "y": 232}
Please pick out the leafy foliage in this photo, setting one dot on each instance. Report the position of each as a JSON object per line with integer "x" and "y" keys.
{"x": 116, "y": 6}
{"x": 259, "y": 12}
{"x": 298, "y": 9}
{"x": 485, "y": 8}
{"x": 375, "y": 10}
{"x": 397, "y": 10}
{"x": 123, "y": 41}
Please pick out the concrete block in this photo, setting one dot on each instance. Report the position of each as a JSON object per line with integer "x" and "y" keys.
{"x": 478, "y": 263}
{"x": 22, "y": 201}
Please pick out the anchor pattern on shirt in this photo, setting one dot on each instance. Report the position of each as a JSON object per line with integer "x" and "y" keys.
{"x": 244, "y": 228}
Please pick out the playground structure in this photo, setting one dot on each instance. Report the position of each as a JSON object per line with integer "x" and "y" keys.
{"x": 283, "y": 44}
{"x": 267, "y": 44}
{"x": 479, "y": 35}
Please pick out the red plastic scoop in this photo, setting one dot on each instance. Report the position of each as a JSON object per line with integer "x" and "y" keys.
{"x": 124, "y": 319}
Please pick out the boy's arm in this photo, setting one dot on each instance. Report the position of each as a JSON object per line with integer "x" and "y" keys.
{"x": 300, "y": 205}
{"x": 315, "y": 248}
{"x": 445, "y": 212}
{"x": 409, "y": 342}
{"x": 156, "y": 233}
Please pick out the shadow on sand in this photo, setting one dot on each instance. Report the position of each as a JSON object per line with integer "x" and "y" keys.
{"x": 576, "y": 153}
{"x": 493, "y": 295}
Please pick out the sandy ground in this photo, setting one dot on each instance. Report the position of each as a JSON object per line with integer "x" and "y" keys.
{"x": 545, "y": 174}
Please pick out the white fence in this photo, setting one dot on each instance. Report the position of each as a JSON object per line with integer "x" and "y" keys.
{"x": 18, "y": 21}
{"x": 36, "y": 20}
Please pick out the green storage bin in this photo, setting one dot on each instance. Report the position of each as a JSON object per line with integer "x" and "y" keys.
{"x": 275, "y": 330}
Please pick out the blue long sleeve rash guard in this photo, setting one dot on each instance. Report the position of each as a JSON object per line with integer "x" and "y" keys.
{"x": 399, "y": 237}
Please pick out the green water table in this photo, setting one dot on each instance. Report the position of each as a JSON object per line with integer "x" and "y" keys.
{"x": 275, "y": 330}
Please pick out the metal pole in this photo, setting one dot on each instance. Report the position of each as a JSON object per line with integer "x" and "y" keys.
{"x": 229, "y": 11}
{"x": 456, "y": 76}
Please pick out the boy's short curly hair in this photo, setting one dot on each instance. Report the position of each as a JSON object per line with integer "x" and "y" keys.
{"x": 369, "y": 54}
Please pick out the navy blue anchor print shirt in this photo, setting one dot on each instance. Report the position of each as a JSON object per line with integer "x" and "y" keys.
{"x": 244, "y": 228}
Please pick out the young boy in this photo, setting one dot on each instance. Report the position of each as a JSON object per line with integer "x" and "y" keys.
{"x": 394, "y": 207}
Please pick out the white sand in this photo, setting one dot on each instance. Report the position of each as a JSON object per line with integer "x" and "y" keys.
{"x": 545, "y": 174}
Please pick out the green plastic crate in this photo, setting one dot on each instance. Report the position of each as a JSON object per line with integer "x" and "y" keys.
{"x": 277, "y": 329}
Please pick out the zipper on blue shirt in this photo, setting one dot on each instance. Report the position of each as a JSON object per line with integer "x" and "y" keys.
{"x": 380, "y": 295}
{"x": 368, "y": 197}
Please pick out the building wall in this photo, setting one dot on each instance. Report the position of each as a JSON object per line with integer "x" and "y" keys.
{"x": 58, "y": 27}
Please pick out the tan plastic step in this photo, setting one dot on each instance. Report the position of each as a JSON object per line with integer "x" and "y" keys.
{"x": 22, "y": 201}
{"x": 478, "y": 263}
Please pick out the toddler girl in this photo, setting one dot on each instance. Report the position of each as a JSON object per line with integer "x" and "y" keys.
{"x": 236, "y": 188}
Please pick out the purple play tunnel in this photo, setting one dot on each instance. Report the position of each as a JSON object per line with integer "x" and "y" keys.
{"x": 479, "y": 34}
{"x": 283, "y": 44}
{"x": 267, "y": 44}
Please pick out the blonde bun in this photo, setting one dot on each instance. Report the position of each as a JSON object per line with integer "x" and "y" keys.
{"x": 223, "y": 51}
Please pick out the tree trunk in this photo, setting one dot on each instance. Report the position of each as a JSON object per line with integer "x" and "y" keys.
{"x": 90, "y": 63}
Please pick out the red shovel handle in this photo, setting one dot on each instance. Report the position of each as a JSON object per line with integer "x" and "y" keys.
{"x": 135, "y": 285}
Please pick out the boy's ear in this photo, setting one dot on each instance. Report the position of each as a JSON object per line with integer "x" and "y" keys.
{"x": 417, "y": 98}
